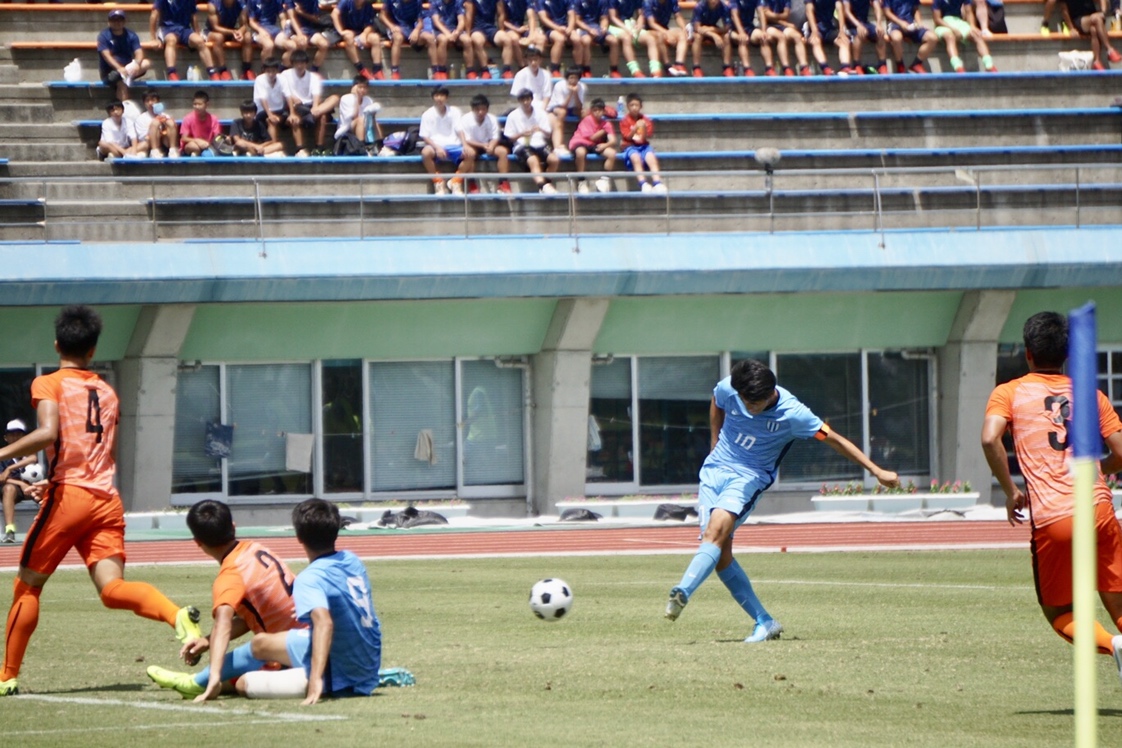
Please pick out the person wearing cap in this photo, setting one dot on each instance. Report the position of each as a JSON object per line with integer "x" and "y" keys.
{"x": 173, "y": 22}
{"x": 519, "y": 20}
{"x": 12, "y": 488}
{"x": 120, "y": 56}
{"x": 533, "y": 77}
{"x": 529, "y": 128}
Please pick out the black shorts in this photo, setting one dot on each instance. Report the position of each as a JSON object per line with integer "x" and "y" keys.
{"x": 996, "y": 19}
{"x": 524, "y": 154}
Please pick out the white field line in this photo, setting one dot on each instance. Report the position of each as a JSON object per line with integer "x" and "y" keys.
{"x": 119, "y": 728}
{"x": 213, "y": 711}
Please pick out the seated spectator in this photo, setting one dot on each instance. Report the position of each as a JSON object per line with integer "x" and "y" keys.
{"x": 481, "y": 136}
{"x": 310, "y": 31}
{"x": 711, "y": 20}
{"x": 226, "y": 21}
{"x": 1087, "y": 18}
{"x": 745, "y": 34}
{"x": 662, "y": 21}
{"x": 308, "y": 109}
{"x": 117, "y": 137}
{"x": 156, "y": 131}
{"x": 483, "y": 29}
{"x": 636, "y": 129}
{"x": 782, "y": 33}
{"x": 948, "y": 17}
{"x": 533, "y": 77}
{"x": 354, "y": 23}
{"x": 445, "y": 28}
{"x": 174, "y": 23}
{"x": 358, "y": 133}
{"x": 861, "y": 31}
{"x": 558, "y": 22}
{"x": 403, "y": 21}
{"x": 120, "y": 56}
{"x": 594, "y": 134}
{"x": 520, "y": 22}
{"x": 12, "y": 486}
{"x": 567, "y": 100}
{"x": 270, "y": 99}
{"x": 199, "y": 127}
{"x": 989, "y": 17}
{"x": 439, "y": 132}
{"x": 250, "y": 135}
{"x": 266, "y": 23}
{"x": 904, "y": 23}
{"x": 821, "y": 28}
{"x": 592, "y": 28}
{"x": 529, "y": 129}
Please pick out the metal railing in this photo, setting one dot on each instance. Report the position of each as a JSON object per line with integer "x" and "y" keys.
{"x": 264, "y": 207}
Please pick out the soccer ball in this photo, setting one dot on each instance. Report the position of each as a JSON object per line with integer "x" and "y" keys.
{"x": 32, "y": 473}
{"x": 551, "y": 599}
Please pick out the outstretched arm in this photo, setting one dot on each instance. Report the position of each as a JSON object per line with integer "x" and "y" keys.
{"x": 716, "y": 421}
{"x": 992, "y": 430}
{"x": 849, "y": 450}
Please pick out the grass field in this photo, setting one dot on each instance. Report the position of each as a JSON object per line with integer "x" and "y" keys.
{"x": 885, "y": 649}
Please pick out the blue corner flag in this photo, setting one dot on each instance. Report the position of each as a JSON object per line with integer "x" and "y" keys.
{"x": 1083, "y": 367}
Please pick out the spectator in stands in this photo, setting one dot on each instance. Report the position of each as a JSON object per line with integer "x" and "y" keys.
{"x": 270, "y": 99}
{"x": 529, "y": 129}
{"x": 711, "y": 21}
{"x": 156, "y": 131}
{"x": 358, "y": 133}
{"x": 989, "y": 18}
{"x": 445, "y": 27}
{"x": 566, "y": 101}
{"x": 309, "y": 30}
{"x": 821, "y": 28}
{"x": 251, "y": 136}
{"x": 266, "y": 22}
{"x": 782, "y": 33}
{"x": 120, "y": 56}
{"x": 520, "y": 22}
{"x": 533, "y": 77}
{"x": 592, "y": 28}
{"x": 904, "y": 23}
{"x": 440, "y": 133}
{"x": 949, "y": 20}
{"x": 481, "y": 136}
{"x": 199, "y": 127}
{"x": 117, "y": 137}
{"x": 307, "y": 106}
{"x": 636, "y": 130}
{"x": 354, "y": 23}
{"x": 173, "y": 22}
{"x": 623, "y": 25}
{"x": 1087, "y": 17}
{"x": 558, "y": 21}
{"x": 1046, "y": 21}
{"x": 13, "y": 489}
{"x": 403, "y": 21}
{"x": 483, "y": 29}
{"x": 597, "y": 135}
{"x": 662, "y": 21}
{"x": 226, "y": 21}
{"x": 861, "y": 31}
{"x": 745, "y": 33}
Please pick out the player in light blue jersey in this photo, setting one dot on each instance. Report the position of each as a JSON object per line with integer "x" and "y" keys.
{"x": 752, "y": 423}
{"x": 341, "y": 652}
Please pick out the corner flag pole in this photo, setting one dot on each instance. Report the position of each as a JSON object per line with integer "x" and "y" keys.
{"x": 1086, "y": 442}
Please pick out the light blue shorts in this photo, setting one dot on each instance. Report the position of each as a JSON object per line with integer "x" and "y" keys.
{"x": 298, "y": 642}
{"x": 722, "y": 488}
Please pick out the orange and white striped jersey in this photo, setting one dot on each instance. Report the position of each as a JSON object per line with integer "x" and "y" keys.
{"x": 1038, "y": 409}
{"x": 88, "y": 411}
{"x": 258, "y": 586}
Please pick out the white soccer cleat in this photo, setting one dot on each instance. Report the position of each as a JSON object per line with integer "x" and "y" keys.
{"x": 659, "y": 189}
{"x": 439, "y": 187}
{"x": 766, "y": 631}
{"x": 646, "y": 187}
{"x": 173, "y": 153}
{"x": 677, "y": 603}
{"x": 604, "y": 184}
{"x": 582, "y": 188}
{"x": 548, "y": 189}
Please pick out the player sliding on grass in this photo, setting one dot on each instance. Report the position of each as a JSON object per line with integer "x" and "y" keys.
{"x": 1036, "y": 409}
{"x": 752, "y": 423}
{"x": 80, "y": 507}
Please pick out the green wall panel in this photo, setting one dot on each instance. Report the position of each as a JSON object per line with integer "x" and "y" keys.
{"x": 1108, "y": 312}
{"x": 406, "y": 329}
{"x": 778, "y": 322}
{"x": 29, "y": 333}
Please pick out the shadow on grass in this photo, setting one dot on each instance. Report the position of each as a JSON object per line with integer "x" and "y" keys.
{"x": 115, "y": 688}
{"x": 1116, "y": 713}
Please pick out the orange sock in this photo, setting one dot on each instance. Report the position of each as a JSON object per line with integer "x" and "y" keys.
{"x": 22, "y": 620}
{"x": 141, "y": 598}
{"x": 1065, "y": 627}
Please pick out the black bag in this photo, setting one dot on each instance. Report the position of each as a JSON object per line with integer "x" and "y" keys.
{"x": 579, "y": 515}
{"x": 349, "y": 145}
{"x": 673, "y": 511}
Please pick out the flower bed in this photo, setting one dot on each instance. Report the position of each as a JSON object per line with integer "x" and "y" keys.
{"x": 853, "y": 498}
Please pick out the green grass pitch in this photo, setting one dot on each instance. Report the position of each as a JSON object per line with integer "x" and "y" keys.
{"x": 880, "y": 649}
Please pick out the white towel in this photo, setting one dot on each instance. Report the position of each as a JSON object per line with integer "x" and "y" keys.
{"x": 424, "y": 451}
{"x": 298, "y": 452}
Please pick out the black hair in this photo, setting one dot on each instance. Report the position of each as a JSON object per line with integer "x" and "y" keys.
{"x": 299, "y": 56}
{"x": 270, "y": 62}
{"x": 77, "y": 329}
{"x": 597, "y": 104}
{"x": 1045, "y": 336}
{"x": 480, "y": 100}
{"x": 247, "y": 105}
{"x": 200, "y": 94}
{"x": 109, "y": 107}
{"x": 576, "y": 70}
{"x": 634, "y": 97}
{"x": 317, "y": 524}
{"x": 752, "y": 380}
{"x": 359, "y": 79}
{"x": 211, "y": 523}
{"x": 440, "y": 90}
{"x": 151, "y": 94}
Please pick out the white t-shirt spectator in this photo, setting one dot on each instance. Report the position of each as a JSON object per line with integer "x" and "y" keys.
{"x": 480, "y": 132}
{"x": 305, "y": 89}
{"x": 441, "y": 130}
{"x": 348, "y": 108}
{"x": 539, "y": 83}
{"x": 518, "y": 122}
{"x": 272, "y": 94}
{"x": 561, "y": 93}
{"x": 121, "y": 134}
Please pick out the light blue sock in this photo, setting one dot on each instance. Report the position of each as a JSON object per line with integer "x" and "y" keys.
{"x": 237, "y": 662}
{"x": 700, "y": 568}
{"x": 741, "y": 588}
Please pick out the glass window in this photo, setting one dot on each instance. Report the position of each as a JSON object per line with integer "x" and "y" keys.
{"x": 609, "y": 424}
{"x": 197, "y": 405}
{"x": 342, "y": 426}
{"x": 15, "y": 395}
{"x": 492, "y": 420}
{"x": 1110, "y": 377}
{"x": 830, "y": 385}
{"x": 899, "y": 413}
{"x": 674, "y": 395}
{"x": 271, "y": 411}
{"x": 413, "y": 426}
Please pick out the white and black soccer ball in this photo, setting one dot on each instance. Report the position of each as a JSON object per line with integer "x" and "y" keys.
{"x": 551, "y": 599}
{"x": 32, "y": 473}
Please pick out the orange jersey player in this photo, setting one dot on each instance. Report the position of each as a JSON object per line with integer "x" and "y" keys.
{"x": 1036, "y": 410}
{"x": 80, "y": 508}
{"x": 252, "y": 592}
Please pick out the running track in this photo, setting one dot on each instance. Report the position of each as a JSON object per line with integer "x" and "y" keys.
{"x": 571, "y": 540}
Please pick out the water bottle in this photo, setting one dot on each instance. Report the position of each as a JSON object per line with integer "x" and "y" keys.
{"x": 621, "y": 106}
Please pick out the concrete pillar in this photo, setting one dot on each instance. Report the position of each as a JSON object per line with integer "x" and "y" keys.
{"x": 146, "y": 379}
{"x": 967, "y": 367}
{"x": 562, "y": 373}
